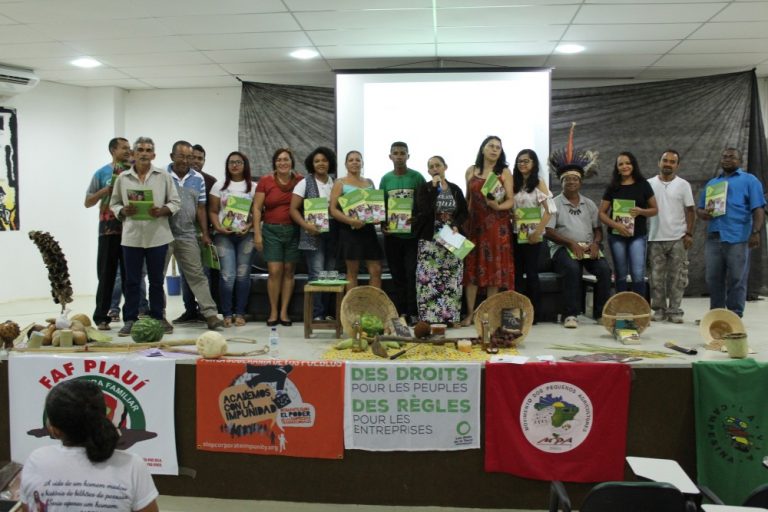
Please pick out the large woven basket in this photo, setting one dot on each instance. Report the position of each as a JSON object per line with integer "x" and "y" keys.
{"x": 365, "y": 299}
{"x": 494, "y": 305}
{"x": 630, "y": 306}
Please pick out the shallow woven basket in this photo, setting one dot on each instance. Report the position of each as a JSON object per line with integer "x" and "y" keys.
{"x": 628, "y": 305}
{"x": 365, "y": 299}
{"x": 494, "y": 304}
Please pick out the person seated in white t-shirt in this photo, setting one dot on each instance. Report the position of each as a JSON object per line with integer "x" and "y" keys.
{"x": 84, "y": 472}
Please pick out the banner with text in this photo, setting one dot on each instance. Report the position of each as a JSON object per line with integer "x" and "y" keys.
{"x": 138, "y": 392}
{"x": 426, "y": 406}
{"x": 266, "y": 407}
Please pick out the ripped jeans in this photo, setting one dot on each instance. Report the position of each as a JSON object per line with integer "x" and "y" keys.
{"x": 235, "y": 254}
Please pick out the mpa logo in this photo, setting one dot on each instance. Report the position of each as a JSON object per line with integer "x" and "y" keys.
{"x": 733, "y": 434}
{"x": 556, "y": 417}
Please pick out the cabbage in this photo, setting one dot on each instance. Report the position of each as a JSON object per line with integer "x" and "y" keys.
{"x": 371, "y": 324}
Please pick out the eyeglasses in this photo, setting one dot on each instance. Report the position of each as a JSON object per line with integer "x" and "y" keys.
{"x": 236, "y": 162}
{"x": 524, "y": 161}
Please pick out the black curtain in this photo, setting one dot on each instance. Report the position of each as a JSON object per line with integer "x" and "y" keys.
{"x": 698, "y": 117}
{"x": 276, "y": 116}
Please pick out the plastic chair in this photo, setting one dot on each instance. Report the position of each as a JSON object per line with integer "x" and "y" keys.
{"x": 757, "y": 498}
{"x": 624, "y": 497}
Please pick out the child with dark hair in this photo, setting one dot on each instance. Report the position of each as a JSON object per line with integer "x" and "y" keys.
{"x": 85, "y": 471}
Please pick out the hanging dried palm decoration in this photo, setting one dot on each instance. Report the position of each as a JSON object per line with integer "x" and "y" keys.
{"x": 58, "y": 273}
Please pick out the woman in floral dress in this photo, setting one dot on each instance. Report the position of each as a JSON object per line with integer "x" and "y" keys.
{"x": 490, "y": 264}
{"x": 438, "y": 272}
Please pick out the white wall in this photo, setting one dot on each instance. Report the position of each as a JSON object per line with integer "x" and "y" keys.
{"x": 208, "y": 117}
{"x": 63, "y": 136}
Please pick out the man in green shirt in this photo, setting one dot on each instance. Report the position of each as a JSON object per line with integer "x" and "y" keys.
{"x": 401, "y": 248}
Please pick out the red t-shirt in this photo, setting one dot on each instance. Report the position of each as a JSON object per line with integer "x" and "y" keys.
{"x": 277, "y": 204}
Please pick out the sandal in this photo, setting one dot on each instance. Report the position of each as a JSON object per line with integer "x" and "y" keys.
{"x": 227, "y": 321}
{"x": 239, "y": 320}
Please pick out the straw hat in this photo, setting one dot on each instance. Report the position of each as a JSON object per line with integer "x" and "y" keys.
{"x": 495, "y": 304}
{"x": 627, "y": 305}
{"x": 719, "y": 322}
{"x": 365, "y": 299}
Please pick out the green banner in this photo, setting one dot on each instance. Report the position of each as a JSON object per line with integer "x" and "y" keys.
{"x": 731, "y": 423}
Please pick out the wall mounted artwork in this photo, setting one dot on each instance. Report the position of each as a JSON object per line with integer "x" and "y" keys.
{"x": 9, "y": 170}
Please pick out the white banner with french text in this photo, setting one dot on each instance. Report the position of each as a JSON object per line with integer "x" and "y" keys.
{"x": 415, "y": 407}
{"x": 138, "y": 391}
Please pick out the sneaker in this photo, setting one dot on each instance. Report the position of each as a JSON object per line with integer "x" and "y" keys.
{"x": 318, "y": 319}
{"x": 143, "y": 313}
{"x": 187, "y": 317}
{"x": 214, "y": 323}
{"x": 125, "y": 330}
{"x": 676, "y": 319}
{"x": 167, "y": 326}
{"x": 658, "y": 315}
{"x": 103, "y": 326}
{"x": 571, "y": 322}
{"x": 114, "y": 315}
{"x": 330, "y": 318}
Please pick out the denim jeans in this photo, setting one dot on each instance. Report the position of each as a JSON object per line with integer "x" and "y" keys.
{"x": 235, "y": 255}
{"x": 117, "y": 293}
{"x": 727, "y": 268}
{"x": 135, "y": 258}
{"x": 629, "y": 258}
{"x": 572, "y": 270}
{"x": 324, "y": 258}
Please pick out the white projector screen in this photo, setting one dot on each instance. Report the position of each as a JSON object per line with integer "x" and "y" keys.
{"x": 441, "y": 113}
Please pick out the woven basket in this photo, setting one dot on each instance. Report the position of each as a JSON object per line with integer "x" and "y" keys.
{"x": 365, "y": 299}
{"x": 627, "y": 305}
{"x": 494, "y": 305}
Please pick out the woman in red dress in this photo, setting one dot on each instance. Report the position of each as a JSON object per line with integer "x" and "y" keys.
{"x": 490, "y": 264}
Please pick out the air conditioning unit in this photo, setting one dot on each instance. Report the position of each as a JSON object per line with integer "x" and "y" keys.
{"x": 16, "y": 80}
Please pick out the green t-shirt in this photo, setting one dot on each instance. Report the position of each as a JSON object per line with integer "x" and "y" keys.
{"x": 402, "y": 185}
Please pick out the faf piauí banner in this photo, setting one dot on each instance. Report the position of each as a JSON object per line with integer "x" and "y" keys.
{"x": 429, "y": 406}
{"x": 266, "y": 407}
{"x": 138, "y": 392}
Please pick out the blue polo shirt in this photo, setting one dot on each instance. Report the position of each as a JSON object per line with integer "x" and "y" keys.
{"x": 745, "y": 193}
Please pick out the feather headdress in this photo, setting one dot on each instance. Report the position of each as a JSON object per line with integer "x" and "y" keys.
{"x": 572, "y": 160}
{"x": 58, "y": 273}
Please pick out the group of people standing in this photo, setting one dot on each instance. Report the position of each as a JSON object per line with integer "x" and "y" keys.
{"x": 190, "y": 211}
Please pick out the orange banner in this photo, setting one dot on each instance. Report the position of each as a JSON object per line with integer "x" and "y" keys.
{"x": 293, "y": 408}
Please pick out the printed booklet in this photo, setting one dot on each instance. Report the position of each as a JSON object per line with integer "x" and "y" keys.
{"x": 142, "y": 200}
{"x": 399, "y": 211}
{"x": 493, "y": 186}
{"x": 375, "y": 200}
{"x": 457, "y": 244}
{"x": 621, "y": 215}
{"x": 353, "y": 205}
{"x": 527, "y": 220}
{"x": 714, "y": 198}
{"x": 237, "y": 212}
{"x": 316, "y": 212}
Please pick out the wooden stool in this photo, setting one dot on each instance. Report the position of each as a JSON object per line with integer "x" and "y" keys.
{"x": 309, "y": 322}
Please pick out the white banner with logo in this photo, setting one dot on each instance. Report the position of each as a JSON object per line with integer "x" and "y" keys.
{"x": 138, "y": 391}
{"x": 424, "y": 406}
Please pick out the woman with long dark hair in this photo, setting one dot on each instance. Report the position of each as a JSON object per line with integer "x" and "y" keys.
{"x": 67, "y": 476}
{"x": 530, "y": 192}
{"x": 234, "y": 235}
{"x": 628, "y": 234}
{"x": 319, "y": 248}
{"x": 489, "y": 265}
{"x": 439, "y": 273}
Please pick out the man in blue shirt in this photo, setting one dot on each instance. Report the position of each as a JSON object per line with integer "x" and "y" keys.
{"x": 732, "y": 234}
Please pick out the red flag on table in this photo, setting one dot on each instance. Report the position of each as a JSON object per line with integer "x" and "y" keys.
{"x": 565, "y": 421}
